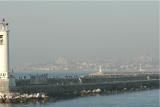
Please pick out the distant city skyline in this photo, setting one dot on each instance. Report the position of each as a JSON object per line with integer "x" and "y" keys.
{"x": 39, "y": 31}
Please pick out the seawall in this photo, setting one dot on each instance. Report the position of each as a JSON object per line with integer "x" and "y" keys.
{"x": 75, "y": 85}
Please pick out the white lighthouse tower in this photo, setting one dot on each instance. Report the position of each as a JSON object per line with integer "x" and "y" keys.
{"x": 7, "y": 80}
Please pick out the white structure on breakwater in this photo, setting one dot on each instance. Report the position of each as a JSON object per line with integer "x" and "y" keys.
{"x": 7, "y": 79}
{"x": 99, "y": 73}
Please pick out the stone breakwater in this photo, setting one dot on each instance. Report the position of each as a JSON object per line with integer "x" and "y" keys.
{"x": 20, "y": 98}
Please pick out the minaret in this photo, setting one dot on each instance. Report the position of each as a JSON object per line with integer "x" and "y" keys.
{"x": 100, "y": 68}
{"x": 7, "y": 80}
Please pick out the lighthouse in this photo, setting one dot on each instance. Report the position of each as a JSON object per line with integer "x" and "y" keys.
{"x": 7, "y": 79}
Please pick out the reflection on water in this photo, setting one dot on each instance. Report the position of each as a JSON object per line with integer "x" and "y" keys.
{"x": 148, "y": 98}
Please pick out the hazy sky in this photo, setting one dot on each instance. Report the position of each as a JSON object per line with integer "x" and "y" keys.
{"x": 41, "y": 30}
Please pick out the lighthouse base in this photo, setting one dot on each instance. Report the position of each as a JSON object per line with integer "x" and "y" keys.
{"x": 4, "y": 85}
{"x": 7, "y": 90}
{"x": 7, "y": 85}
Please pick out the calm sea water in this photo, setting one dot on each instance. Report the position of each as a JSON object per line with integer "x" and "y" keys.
{"x": 149, "y": 98}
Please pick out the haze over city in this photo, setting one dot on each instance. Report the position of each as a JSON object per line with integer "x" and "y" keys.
{"x": 82, "y": 53}
{"x": 39, "y": 31}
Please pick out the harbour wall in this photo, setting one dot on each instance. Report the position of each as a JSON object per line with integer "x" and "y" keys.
{"x": 63, "y": 90}
{"x": 75, "y": 85}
